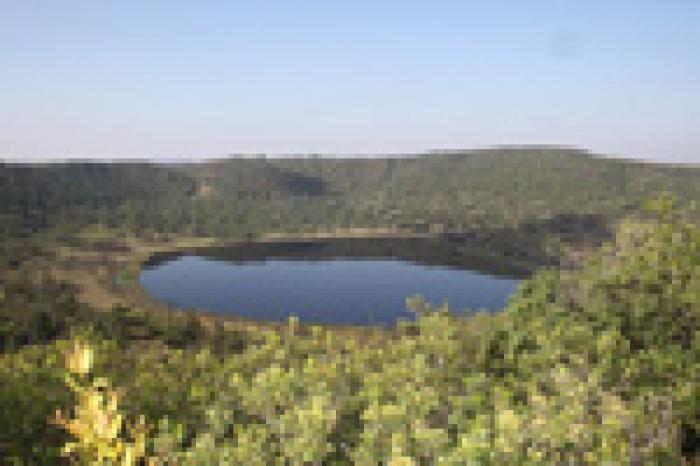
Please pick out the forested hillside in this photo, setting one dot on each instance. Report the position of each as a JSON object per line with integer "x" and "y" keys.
{"x": 593, "y": 361}
{"x": 41, "y": 196}
{"x": 509, "y": 201}
{"x": 596, "y": 365}
{"x": 506, "y": 188}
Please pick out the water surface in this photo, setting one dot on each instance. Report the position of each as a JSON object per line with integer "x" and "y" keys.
{"x": 319, "y": 288}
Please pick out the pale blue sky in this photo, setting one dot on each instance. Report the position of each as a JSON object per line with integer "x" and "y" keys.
{"x": 207, "y": 78}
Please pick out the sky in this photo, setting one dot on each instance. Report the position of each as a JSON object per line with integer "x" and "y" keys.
{"x": 192, "y": 79}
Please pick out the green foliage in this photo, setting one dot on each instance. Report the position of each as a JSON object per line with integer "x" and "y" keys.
{"x": 596, "y": 365}
{"x": 510, "y": 201}
{"x": 101, "y": 434}
{"x": 31, "y": 389}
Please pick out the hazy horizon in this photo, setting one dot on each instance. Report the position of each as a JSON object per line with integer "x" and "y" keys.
{"x": 169, "y": 81}
{"x": 203, "y": 159}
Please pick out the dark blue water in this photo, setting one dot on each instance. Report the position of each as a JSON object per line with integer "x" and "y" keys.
{"x": 352, "y": 291}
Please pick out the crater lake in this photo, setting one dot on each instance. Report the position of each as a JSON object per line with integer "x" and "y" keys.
{"x": 336, "y": 282}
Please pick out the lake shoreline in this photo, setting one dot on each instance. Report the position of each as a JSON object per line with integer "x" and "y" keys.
{"x": 105, "y": 266}
{"x": 320, "y": 286}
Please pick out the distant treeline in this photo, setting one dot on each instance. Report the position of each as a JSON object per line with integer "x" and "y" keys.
{"x": 518, "y": 197}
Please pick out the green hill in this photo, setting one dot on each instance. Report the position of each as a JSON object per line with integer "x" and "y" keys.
{"x": 519, "y": 199}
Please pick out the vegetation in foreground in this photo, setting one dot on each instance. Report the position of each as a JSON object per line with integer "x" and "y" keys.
{"x": 592, "y": 366}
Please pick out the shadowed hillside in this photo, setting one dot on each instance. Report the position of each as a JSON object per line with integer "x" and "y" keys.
{"x": 531, "y": 196}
